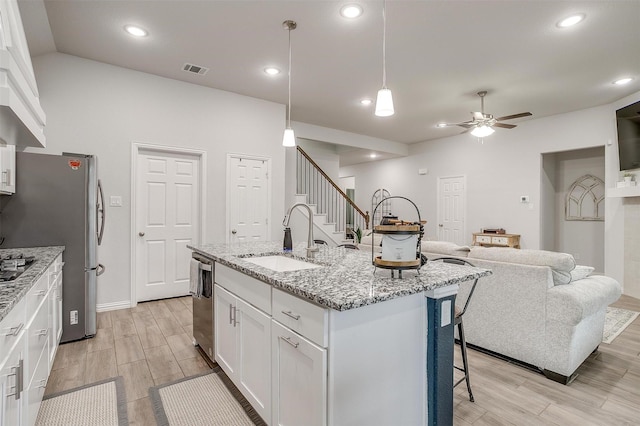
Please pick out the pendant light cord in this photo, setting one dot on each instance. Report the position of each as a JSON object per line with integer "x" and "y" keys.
{"x": 289, "y": 100}
{"x": 384, "y": 44}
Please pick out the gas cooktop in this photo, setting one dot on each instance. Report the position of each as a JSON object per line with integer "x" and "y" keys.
{"x": 12, "y": 266}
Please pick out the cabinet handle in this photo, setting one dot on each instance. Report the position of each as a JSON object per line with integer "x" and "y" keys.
{"x": 291, "y": 315}
{"x": 13, "y": 331}
{"x": 40, "y": 293}
{"x": 18, "y": 380}
{"x": 235, "y": 316}
{"x": 5, "y": 177}
{"x": 230, "y": 314}
{"x": 43, "y": 332}
{"x": 43, "y": 383}
{"x": 286, "y": 339}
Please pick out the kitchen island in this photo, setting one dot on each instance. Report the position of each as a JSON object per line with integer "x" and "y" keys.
{"x": 337, "y": 342}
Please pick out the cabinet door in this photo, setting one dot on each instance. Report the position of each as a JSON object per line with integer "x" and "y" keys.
{"x": 299, "y": 370}
{"x": 254, "y": 362}
{"x": 8, "y": 169}
{"x": 225, "y": 331}
{"x": 11, "y": 386}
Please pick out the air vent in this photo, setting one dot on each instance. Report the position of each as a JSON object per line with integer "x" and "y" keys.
{"x": 195, "y": 69}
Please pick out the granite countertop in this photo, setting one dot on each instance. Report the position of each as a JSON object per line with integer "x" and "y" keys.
{"x": 346, "y": 280}
{"x": 12, "y": 291}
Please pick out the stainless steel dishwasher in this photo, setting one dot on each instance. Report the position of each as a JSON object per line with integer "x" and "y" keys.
{"x": 203, "y": 308}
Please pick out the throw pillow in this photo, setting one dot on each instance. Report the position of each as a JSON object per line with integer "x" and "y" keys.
{"x": 581, "y": 271}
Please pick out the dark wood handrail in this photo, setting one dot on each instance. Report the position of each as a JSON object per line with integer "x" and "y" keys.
{"x": 364, "y": 215}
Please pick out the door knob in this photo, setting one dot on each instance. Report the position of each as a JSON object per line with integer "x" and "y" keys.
{"x": 234, "y": 232}
{"x": 141, "y": 234}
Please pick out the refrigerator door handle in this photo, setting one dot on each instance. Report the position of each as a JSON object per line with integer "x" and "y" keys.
{"x": 101, "y": 212}
{"x": 100, "y": 269}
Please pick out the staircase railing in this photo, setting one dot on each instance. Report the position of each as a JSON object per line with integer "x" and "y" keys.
{"x": 329, "y": 199}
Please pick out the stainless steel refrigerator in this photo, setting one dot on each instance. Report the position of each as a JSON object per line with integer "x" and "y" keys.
{"x": 59, "y": 201}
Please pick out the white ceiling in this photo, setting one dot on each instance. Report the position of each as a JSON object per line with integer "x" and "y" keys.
{"x": 439, "y": 54}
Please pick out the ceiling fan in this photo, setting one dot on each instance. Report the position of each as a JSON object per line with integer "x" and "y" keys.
{"x": 482, "y": 124}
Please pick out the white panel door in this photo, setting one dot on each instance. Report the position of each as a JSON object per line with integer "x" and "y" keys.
{"x": 167, "y": 219}
{"x": 451, "y": 209}
{"x": 248, "y": 199}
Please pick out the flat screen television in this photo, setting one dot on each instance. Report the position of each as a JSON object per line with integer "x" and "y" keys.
{"x": 628, "y": 122}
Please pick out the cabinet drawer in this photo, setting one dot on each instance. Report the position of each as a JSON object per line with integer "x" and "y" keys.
{"x": 483, "y": 239}
{"x": 301, "y": 316}
{"x": 248, "y": 288}
{"x": 12, "y": 327}
{"x": 503, "y": 241}
{"x": 55, "y": 271}
{"x": 37, "y": 294}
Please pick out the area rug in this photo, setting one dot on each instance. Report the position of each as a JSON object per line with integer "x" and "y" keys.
{"x": 615, "y": 322}
{"x": 103, "y": 403}
{"x": 205, "y": 399}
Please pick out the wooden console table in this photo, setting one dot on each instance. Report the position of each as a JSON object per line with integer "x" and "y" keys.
{"x": 496, "y": 240}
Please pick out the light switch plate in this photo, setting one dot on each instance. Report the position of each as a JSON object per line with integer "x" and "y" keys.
{"x": 115, "y": 201}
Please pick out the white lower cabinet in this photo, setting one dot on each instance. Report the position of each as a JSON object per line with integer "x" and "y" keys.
{"x": 299, "y": 369}
{"x": 29, "y": 337}
{"x": 11, "y": 373}
{"x": 243, "y": 348}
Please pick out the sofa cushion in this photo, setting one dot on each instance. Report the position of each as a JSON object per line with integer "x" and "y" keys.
{"x": 444, "y": 247}
{"x": 581, "y": 271}
{"x": 561, "y": 264}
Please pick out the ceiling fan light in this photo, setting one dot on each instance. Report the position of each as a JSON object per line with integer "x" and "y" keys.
{"x": 289, "y": 138}
{"x": 482, "y": 131}
{"x": 384, "y": 103}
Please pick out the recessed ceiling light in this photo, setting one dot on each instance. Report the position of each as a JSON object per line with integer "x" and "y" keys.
{"x": 622, "y": 81}
{"x": 136, "y": 31}
{"x": 374, "y": 155}
{"x": 351, "y": 11}
{"x": 440, "y": 125}
{"x": 571, "y": 20}
{"x": 272, "y": 70}
{"x": 366, "y": 101}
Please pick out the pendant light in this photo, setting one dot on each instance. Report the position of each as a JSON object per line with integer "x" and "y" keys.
{"x": 289, "y": 138}
{"x": 384, "y": 101}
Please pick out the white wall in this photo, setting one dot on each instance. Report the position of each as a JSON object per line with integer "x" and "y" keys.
{"x": 101, "y": 109}
{"x": 507, "y": 165}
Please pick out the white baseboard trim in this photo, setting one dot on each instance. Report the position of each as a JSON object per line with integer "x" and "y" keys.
{"x": 113, "y": 306}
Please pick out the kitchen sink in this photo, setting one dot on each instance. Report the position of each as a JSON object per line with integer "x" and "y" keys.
{"x": 281, "y": 263}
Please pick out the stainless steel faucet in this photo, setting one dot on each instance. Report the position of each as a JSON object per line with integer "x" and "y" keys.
{"x": 311, "y": 246}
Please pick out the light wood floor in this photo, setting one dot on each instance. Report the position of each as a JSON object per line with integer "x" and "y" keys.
{"x": 147, "y": 345}
{"x": 152, "y": 344}
{"x": 606, "y": 391}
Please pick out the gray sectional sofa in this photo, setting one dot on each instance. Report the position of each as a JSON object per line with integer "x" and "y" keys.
{"x": 536, "y": 307}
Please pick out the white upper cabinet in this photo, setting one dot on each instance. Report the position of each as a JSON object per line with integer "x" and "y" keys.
{"x": 7, "y": 169}
{"x": 22, "y": 120}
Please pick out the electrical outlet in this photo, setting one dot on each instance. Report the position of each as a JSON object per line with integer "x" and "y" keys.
{"x": 73, "y": 317}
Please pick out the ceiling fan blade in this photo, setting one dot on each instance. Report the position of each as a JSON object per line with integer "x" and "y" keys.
{"x": 466, "y": 125}
{"x": 504, "y": 125}
{"x": 511, "y": 117}
{"x": 466, "y": 131}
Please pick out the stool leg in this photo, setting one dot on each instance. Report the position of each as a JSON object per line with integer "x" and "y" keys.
{"x": 465, "y": 363}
